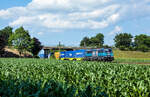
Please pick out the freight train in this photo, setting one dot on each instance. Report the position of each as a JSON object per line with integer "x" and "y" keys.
{"x": 89, "y": 55}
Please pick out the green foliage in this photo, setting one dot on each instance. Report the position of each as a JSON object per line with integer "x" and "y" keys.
{"x": 106, "y": 46}
{"x": 20, "y": 40}
{"x": 4, "y": 36}
{"x": 2, "y": 43}
{"x": 96, "y": 41}
{"x": 131, "y": 48}
{"x": 131, "y": 54}
{"x": 133, "y": 60}
{"x": 142, "y": 42}
{"x": 123, "y": 40}
{"x": 143, "y": 48}
{"x": 85, "y": 42}
{"x": 124, "y": 48}
{"x": 35, "y": 46}
{"x": 52, "y": 78}
{"x": 6, "y": 33}
{"x": 140, "y": 39}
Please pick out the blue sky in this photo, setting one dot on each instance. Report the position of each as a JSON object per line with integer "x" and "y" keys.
{"x": 69, "y": 21}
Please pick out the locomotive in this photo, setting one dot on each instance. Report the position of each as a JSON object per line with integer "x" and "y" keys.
{"x": 101, "y": 54}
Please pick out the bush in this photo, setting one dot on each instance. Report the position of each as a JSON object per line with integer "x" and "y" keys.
{"x": 36, "y": 56}
{"x": 143, "y": 48}
{"x": 132, "y": 48}
{"x": 106, "y": 46}
{"x": 123, "y": 48}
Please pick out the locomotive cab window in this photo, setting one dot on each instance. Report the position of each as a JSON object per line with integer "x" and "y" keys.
{"x": 110, "y": 50}
{"x": 89, "y": 52}
{"x": 107, "y": 50}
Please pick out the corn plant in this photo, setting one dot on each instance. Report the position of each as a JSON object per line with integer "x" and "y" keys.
{"x": 55, "y": 78}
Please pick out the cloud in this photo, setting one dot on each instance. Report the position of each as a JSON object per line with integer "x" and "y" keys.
{"x": 117, "y": 29}
{"x": 4, "y": 13}
{"x": 14, "y": 12}
{"x": 75, "y": 20}
{"x": 68, "y": 5}
{"x": 23, "y": 21}
{"x": 40, "y": 33}
{"x": 113, "y": 18}
{"x": 97, "y": 13}
{"x": 58, "y": 15}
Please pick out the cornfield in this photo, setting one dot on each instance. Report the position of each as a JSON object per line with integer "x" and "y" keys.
{"x": 54, "y": 78}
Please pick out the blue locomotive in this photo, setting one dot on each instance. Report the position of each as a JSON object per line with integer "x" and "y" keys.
{"x": 89, "y": 55}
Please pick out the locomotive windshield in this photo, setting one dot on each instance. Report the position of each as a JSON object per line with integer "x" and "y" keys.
{"x": 108, "y": 50}
{"x": 89, "y": 52}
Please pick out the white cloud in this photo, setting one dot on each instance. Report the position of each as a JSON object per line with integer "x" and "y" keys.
{"x": 117, "y": 29}
{"x": 15, "y": 12}
{"x": 113, "y": 18}
{"x": 40, "y": 33}
{"x": 74, "y": 14}
{"x": 97, "y": 13}
{"x": 75, "y": 20}
{"x": 4, "y": 13}
{"x": 23, "y": 21}
{"x": 48, "y": 4}
{"x": 71, "y": 5}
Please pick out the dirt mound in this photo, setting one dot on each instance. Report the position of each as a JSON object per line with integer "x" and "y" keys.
{"x": 13, "y": 53}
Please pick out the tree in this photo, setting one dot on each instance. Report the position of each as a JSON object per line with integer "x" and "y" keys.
{"x": 123, "y": 41}
{"x": 6, "y": 33}
{"x": 142, "y": 42}
{"x": 21, "y": 40}
{"x": 100, "y": 39}
{"x": 2, "y": 42}
{"x": 97, "y": 41}
{"x": 143, "y": 48}
{"x": 106, "y": 46}
{"x": 94, "y": 41}
{"x": 35, "y": 46}
{"x": 85, "y": 42}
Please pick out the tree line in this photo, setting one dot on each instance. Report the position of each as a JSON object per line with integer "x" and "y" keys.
{"x": 123, "y": 41}
{"x": 19, "y": 39}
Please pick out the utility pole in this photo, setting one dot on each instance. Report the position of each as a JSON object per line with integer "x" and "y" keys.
{"x": 59, "y": 45}
{"x": 84, "y": 44}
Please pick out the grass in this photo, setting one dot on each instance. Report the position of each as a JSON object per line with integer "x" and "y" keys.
{"x": 133, "y": 61}
{"x": 54, "y": 78}
{"x": 131, "y": 57}
{"x": 131, "y": 54}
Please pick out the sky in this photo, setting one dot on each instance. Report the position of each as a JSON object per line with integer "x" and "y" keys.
{"x": 68, "y": 21}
